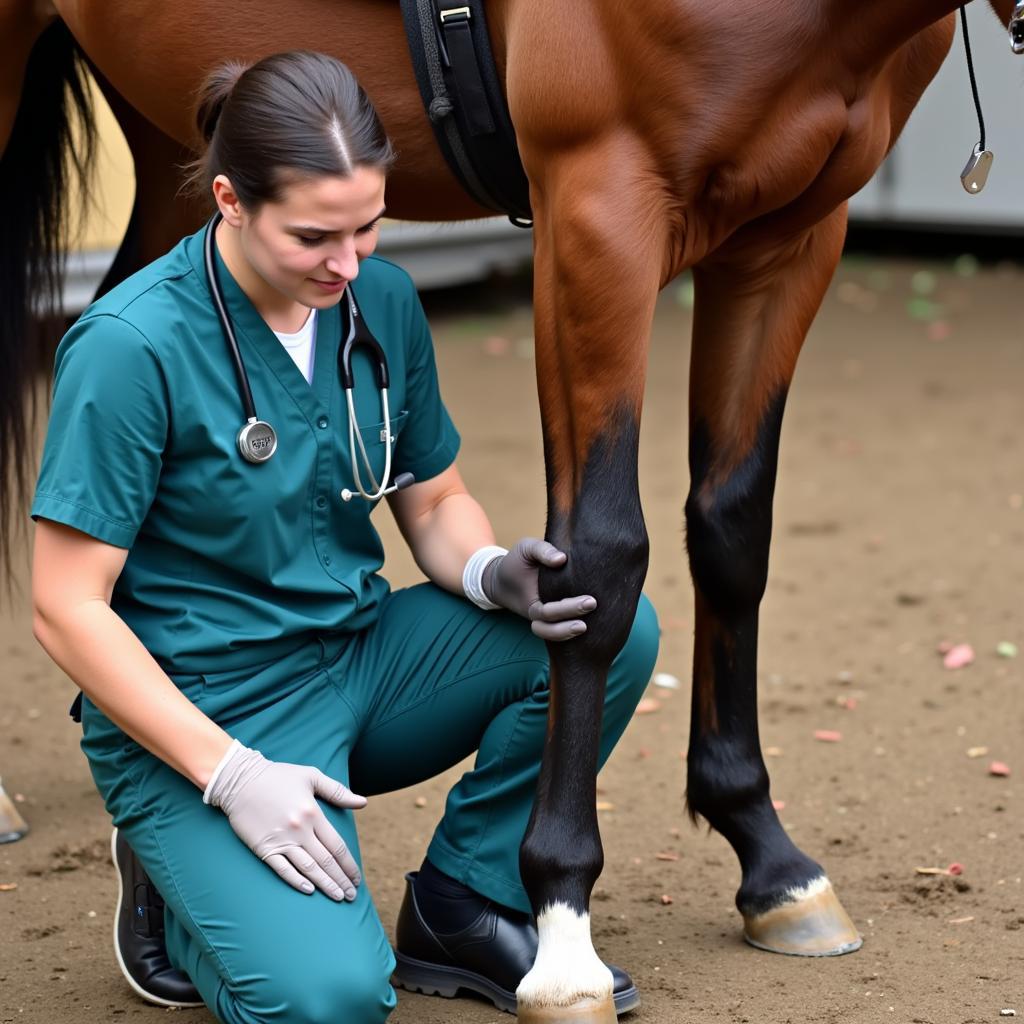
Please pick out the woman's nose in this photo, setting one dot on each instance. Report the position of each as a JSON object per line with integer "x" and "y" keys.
{"x": 344, "y": 263}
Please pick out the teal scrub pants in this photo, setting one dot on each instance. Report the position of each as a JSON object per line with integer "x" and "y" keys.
{"x": 431, "y": 681}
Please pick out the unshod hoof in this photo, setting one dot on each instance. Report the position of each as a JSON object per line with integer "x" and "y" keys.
{"x": 593, "y": 1011}
{"x": 814, "y": 923}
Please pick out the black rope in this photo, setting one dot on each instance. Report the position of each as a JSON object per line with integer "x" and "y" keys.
{"x": 970, "y": 71}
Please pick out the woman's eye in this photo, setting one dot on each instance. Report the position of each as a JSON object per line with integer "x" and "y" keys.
{"x": 369, "y": 227}
{"x": 310, "y": 240}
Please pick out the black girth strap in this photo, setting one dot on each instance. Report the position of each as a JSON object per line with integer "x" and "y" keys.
{"x": 465, "y": 101}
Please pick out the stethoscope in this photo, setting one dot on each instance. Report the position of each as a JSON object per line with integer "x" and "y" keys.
{"x": 257, "y": 440}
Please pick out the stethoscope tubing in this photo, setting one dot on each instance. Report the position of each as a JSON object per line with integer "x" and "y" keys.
{"x": 244, "y": 390}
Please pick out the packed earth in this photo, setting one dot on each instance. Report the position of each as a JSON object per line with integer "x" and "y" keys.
{"x": 891, "y": 688}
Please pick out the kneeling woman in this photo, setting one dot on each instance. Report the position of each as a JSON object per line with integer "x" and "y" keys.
{"x": 216, "y": 594}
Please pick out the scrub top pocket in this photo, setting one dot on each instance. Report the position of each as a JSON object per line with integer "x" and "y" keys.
{"x": 373, "y": 440}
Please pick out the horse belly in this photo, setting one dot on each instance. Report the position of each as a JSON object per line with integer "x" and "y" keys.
{"x": 155, "y": 55}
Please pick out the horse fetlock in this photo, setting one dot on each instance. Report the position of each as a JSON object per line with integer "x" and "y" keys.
{"x": 563, "y": 875}
{"x": 567, "y": 971}
{"x": 725, "y": 781}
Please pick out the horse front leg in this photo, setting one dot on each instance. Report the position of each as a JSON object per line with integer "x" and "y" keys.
{"x": 594, "y": 300}
{"x": 753, "y": 310}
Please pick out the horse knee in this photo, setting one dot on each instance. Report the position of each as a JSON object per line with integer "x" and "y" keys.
{"x": 609, "y": 562}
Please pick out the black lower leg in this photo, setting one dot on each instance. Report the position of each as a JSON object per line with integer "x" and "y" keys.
{"x": 729, "y": 517}
{"x": 606, "y": 541}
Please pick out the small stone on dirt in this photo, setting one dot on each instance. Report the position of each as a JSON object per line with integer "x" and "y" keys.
{"x": 665, "y": 899}
{"x": 977, "y": 751}
{"x": 8, "y": 886}
{"x": 420, "y": 801}
{"x": 665, "y": 681}
{"x": 648, "y": 706}
{"x": 1005, "y": 649}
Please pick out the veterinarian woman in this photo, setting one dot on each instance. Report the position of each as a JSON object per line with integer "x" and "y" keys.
{"x": 207, "y": 572}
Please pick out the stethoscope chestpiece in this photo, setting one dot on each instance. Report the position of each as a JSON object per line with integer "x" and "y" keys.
{"x": 257, "y": 441}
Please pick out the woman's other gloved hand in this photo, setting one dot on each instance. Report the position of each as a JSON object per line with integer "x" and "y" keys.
{"x": 511, "y": 581}
{"x": 272, "y": 806}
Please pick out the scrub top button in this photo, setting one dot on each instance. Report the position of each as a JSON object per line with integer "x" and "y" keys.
{"x": 322, "y": 423}
{"x": 327, "y": 559}
{"x": 321, "y": 501}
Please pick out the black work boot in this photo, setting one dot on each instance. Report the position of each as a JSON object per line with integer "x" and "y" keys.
{"x": 489, "y": 956}
{"x": 139, "y": 934}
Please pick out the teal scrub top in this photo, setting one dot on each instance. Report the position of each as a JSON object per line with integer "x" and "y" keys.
{"x": 231, "y": 564}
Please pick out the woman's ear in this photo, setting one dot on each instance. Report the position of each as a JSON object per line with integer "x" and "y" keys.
{"x": 227, "y": 201}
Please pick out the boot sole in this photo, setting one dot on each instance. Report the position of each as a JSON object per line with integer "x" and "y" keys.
{"x": 436, "y": 980}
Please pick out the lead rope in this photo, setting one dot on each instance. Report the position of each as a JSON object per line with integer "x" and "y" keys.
{"x": 975, "y": 174}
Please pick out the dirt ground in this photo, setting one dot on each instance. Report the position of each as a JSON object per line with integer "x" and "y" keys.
{"x": 899, "y": 526}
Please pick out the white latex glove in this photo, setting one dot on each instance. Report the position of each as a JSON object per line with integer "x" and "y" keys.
{"x": 272, "y": 807}
{"x": 511, "y": 581}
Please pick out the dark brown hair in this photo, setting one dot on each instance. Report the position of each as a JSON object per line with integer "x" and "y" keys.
{"x": 290, "y": 115}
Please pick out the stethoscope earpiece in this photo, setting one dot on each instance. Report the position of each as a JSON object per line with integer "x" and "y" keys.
{"x": 257, "y": 440}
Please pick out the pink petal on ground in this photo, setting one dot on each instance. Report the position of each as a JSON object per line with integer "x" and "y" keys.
{"x": 999, "y": 768}
{"x": 648, "y": 706}
{"x": 958, "y": 656}
{"x": 828, "y": 735}
{"x": 779, "y": 805}
{"x": 666, "y": 900}
{"x": 945, "y": 647}
{"x": 496, "y": 346}
{"x": 956, "y": 868}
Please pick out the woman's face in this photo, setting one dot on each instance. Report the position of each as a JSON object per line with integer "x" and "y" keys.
{"x": 308, "y": 245}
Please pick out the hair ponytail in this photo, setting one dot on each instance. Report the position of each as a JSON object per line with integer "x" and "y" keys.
{"x": 295, "y": 114}
{"x": 213, "y": 94}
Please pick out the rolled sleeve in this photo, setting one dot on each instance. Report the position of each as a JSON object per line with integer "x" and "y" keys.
{"x": 107, "y": 432}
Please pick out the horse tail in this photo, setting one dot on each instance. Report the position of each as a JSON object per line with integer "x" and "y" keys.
{"x": 51, "y": 146}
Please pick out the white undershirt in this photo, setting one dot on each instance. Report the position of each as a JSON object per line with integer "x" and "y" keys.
{"x": 301, "y": 345}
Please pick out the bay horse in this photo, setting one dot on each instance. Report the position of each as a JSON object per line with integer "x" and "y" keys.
{"x": 657, "y": 136}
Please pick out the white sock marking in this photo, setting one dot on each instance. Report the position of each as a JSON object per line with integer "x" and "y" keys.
{"x": 567, "y": 969}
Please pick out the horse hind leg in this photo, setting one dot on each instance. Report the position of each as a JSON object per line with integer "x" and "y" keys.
{"x": 752, "y": 313}
{"x": 161, "y": 212}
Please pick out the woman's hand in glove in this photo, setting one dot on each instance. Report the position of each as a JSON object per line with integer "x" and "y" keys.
{"x": 272, "y": 806}
{"x": 511, "y": 581}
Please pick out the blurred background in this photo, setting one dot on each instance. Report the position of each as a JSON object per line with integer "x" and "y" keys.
{"x": 898, "y": 538}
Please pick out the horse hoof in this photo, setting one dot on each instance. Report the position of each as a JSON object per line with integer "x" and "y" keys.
{"x": 12, "y": 824}
{"x": 591, "y": 1011}
{"x": 813, "y": 924}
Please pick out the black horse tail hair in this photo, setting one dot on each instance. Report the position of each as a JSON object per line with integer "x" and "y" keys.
{"x": 51, "y": 148}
